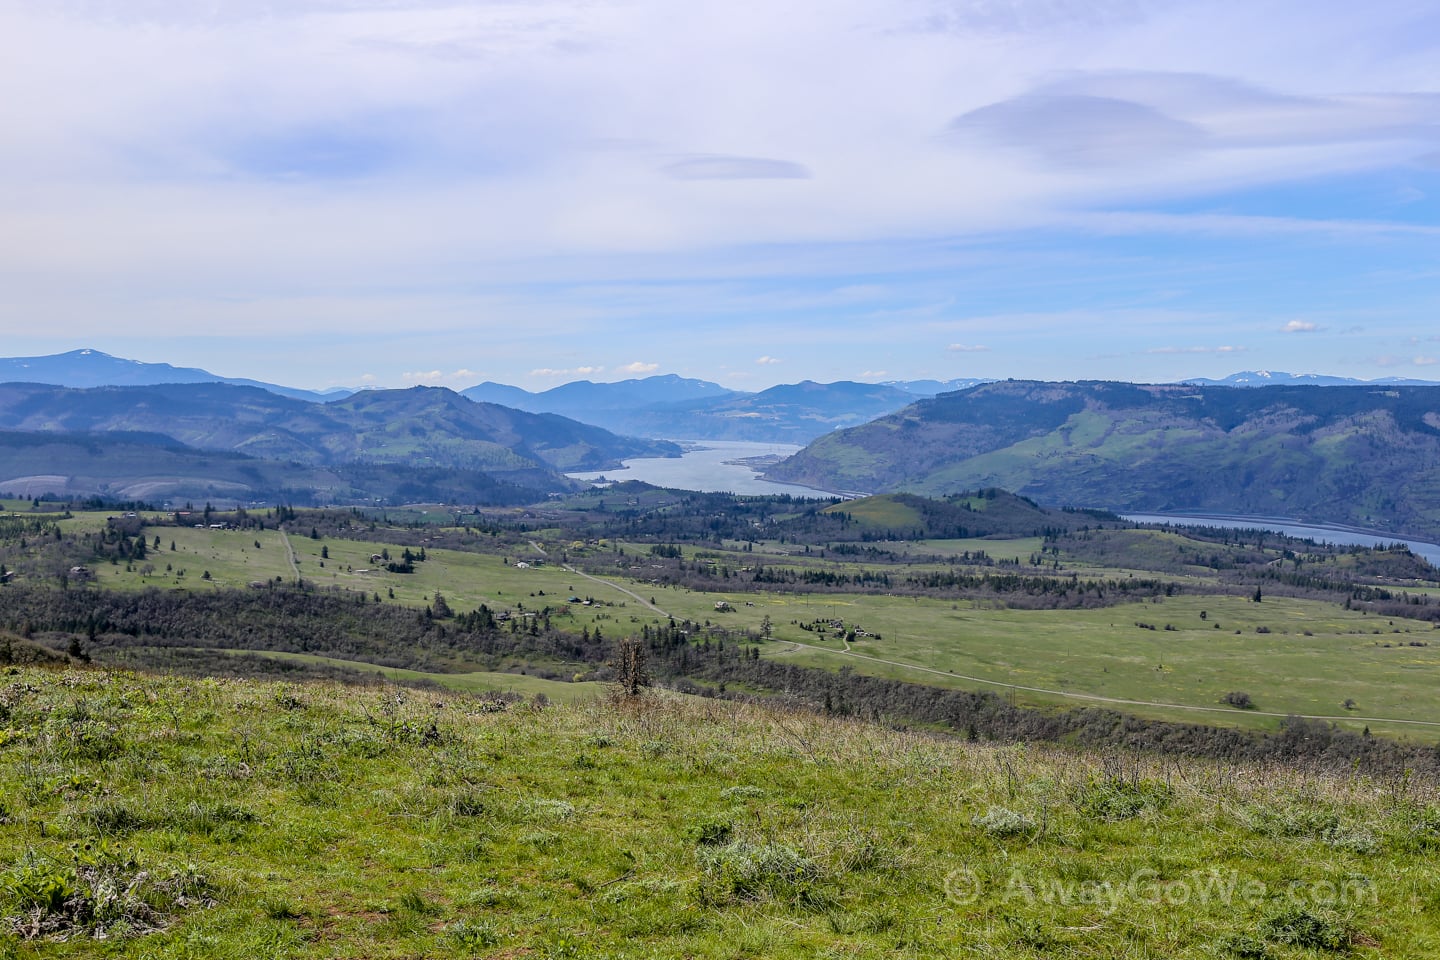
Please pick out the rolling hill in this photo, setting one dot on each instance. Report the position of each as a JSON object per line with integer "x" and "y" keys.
{"x": 1362, "y": 455}
{"x": 420, "y": 429}
{"x": 124, "y": 466}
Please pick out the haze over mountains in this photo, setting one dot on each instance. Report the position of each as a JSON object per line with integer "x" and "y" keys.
{"x": 676, "y": 407}
{"x": 666, "y": 406}
{"x": 1278, "y": 378}
{"x": 92, "y": 368}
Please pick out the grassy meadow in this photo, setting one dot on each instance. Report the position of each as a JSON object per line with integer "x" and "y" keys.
{"x": 165, "y": 818}
{"x": 1173, "y": 658}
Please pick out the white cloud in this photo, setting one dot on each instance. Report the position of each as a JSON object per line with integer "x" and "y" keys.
{"x": 639, "y": 367}
{"x": 1173, "y": 350}
{"x": 874, "y": 374}
{"x": 434, "y": 377}
{"x": 734, "y": 168}
{"x": 1391, "y": 360}
{"x": 572, "y": 372}
{"x": 967, "y": 348}
{"x": 1300, "y": 326}
{"x": 341, "y": 169}
{"x": 767, "y": 361}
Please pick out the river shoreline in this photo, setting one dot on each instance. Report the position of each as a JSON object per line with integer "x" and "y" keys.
{"x": 1300, "y": 529}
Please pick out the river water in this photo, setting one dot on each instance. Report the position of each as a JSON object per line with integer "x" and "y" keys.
{"x": 708, "y": 466}
{"x": 1291, "y": 528}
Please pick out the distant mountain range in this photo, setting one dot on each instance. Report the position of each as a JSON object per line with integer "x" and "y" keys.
{"x": 1367, "y": 456}
{"x": 671, "y": 406}
{"x": 1278, "y": 378}
{"x": 423, "y": 429}
{"x": 91, "y": 368}
{"x": 667, "y": 406}
{"x": 659, "y": 406}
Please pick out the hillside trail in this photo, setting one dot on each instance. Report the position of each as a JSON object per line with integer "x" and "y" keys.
{"x": 290, "y": 554}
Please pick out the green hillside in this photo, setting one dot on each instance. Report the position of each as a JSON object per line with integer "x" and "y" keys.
{"x": 375, "y": 443}
{"x": 166, "y": 818}
{"x": 984, "y": 513}
{"x": 125, "y": 466}
{"x": 1358, "y": 455}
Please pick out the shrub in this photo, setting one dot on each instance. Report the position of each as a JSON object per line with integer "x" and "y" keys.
{"x": 711, "y": 832}
{"x": 1239, "y": 699}
{"x": 1309, "y": 927}
{"x": 1113, "y": 799}
{"x": 550, "y": 810}
{"x": 102, "y": 893}
{"x": 741, "y": 870}
{"x": 1004, "y": 822}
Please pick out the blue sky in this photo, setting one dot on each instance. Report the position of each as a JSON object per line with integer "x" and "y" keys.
{"x": 391, "y": 192}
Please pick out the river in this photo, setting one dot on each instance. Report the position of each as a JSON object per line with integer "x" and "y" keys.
{"x": 712, "y": 466}
{"x": 1343, "y": 536}
{"x": 709, "y": 466}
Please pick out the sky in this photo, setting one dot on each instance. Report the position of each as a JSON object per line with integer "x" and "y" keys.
{"x": 386, "y": 193}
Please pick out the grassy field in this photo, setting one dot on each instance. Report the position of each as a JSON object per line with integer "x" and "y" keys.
{"x": 478, "y": 682}
{"x": 236, "y": 819}
{"x": 1290, "y": 656}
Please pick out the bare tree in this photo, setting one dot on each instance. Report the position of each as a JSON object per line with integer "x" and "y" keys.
{"x": 632, "y": 675}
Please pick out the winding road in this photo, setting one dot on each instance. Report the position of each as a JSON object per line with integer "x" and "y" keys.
{"x": 612, "y": 585}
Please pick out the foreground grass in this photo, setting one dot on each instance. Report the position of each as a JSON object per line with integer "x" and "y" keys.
{"x": 480, "y": 682}
{"x": 251, "y": 819}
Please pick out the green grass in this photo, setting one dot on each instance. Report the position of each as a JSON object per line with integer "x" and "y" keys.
{"x": 1096, "y": 653}
{"x": 257, "y": 819}
{"x": 881, "y": 512}
{"x": 477, "y": 682}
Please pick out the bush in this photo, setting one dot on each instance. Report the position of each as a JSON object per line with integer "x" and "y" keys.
{"x": 1003, "y": 822}
{"x": 1307, "y": 927}
{"x": 1239, "y": 699}
{"x": 1113, "y": 799}
{"x": 710, "y": 832}
{"x": 102, "y": 893}
{"x": 742, "y": 870}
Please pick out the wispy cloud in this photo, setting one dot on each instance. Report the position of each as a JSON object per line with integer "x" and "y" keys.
{"x": 1394, "y": 360}
{"x": 1300, "y": 326}
{"x": 435, "y": 377}
{"x": 734, "y": 168}
{"x": 639, "y": 367}
{"x": 767, "y": 361}
{"x": 570, "y": 372}
{"x": 1138, "y": 117}
{"x": 1174, "y": 350}
{"x": 437, "y": 184}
